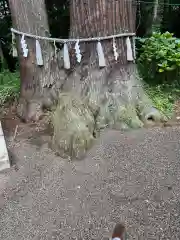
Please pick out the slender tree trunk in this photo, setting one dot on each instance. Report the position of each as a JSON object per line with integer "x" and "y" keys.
{"x": 166, "y": 16}
{"x": 155, "y": 12}
{"x": 37, "y": 83}
{"x": 2, "y": 59}
{"x": 146, "y": 11}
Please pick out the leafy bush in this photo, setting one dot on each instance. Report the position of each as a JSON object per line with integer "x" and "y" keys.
{"x": 159, "y": 59}
{"x": 9, "y": 86}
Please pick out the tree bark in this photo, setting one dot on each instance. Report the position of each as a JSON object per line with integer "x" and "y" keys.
{"x": 38, "y": 84}
{"x": 146, "y": 12}
{"x": 96, "y": 97}
{"x": 119, "y": 80}
{"x": 155, "y": 10}
{"x": 2, "y": 59}
{"x": 166, "y": 16}
{"x": 94, "y": 19}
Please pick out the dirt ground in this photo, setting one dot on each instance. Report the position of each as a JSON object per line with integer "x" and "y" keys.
{"x": 132, "y": 177}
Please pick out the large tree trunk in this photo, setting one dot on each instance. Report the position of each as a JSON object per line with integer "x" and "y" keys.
{"x": 100, "y": 97}
{"x": 38, "y": 84}
{"x": 101, "y": 18}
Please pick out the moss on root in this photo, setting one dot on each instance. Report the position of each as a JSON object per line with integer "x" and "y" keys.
{"x": 73, "y": 125}
{"x": 76, "y": 121}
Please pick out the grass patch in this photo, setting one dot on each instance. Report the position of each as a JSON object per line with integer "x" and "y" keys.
{"x": 9, "y": 86}
{"x": 164, "y": 97}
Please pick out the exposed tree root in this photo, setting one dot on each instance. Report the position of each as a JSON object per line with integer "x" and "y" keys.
{"x": 73, "y": 126}
{"x": 30, "y": 110}
{"x": 119, "y": 102}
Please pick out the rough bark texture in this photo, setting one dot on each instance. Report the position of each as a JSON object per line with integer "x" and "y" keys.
{"x": 101, "y": 18}
{"x": 113, "y": 95}
{"x": 36, "y": 82}
{"x": 146, "y": 13}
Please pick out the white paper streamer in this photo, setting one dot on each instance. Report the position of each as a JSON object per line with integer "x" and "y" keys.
{"x": 78, "y": 52}
{"x": 39, "y": 58}
{"x": 129, "y": 50}
{"x": 116, "y": 55}
{"x": 116, "y": 238}
{"x": 102, "y": 62}
{"x": 66, "y": 57}
{"x": 55, "y": 49}
{"x": 134, "y": 47}
{"x": 24, "y": 47}
{"x": 14, "y": 49}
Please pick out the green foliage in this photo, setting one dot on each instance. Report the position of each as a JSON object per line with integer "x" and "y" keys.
{"x": 164, "y": 96}
{"x": 159, "y": 61}
{"x": 9, "y": 86}
{"x": 159, "y": 65}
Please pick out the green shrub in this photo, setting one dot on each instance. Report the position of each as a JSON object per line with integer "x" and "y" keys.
{"x": 159, "y": 60}
{"x": 9, "y": 86}
{"x": 164, "y": 97}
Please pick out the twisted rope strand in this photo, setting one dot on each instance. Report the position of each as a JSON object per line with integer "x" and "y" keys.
{"x": 72, "y": 39}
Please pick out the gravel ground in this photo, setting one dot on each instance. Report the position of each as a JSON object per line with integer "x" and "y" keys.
{"x": 132, "y": 177}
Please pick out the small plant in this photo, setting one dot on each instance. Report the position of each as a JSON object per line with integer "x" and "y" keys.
{"x": 159, "y": 61}
{"x": 9, "y": 86}
{"x": 164, "y": 97}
